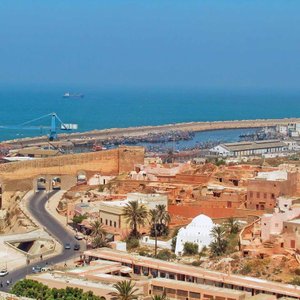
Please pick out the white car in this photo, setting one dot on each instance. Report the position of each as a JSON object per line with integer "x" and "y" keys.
{"x": 79, "y": 236}
{"x": 3, "y": 273}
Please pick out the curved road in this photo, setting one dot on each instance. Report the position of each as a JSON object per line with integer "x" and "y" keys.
{"x": 37, "y": 209}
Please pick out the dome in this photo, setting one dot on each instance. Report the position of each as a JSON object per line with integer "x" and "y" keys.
{"x": 202, "y": 221}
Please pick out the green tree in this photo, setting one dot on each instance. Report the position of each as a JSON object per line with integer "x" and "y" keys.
{"x": 78, "y": 219}
{"x": 159, "y": 220}
{"x": 97, "y": 229}
{"x": 219, "y": 244}
{"x": 232, "y": 226}
{"x": 174, "y": 239}
{"x": 33, "y": 289}
{"x": 135, "y": 215}
{"x": 190, "y": 248}
{"x": 125, "y": 290}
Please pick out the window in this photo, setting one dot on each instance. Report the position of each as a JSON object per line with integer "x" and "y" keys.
{"x": 195, "y": 295}
{"x": 115, "y": 224}
{"x": 170, "y": 291}
{"x": 258, "y": 194}
{"x": 100, "y": 220}
{"x": 110, "y": 223}
{"x": 106, "y": 222}
{"x": 182, "y": 293}
{"x": 265, "y": 195}
{"x": 272, "y": 196}
{"x": 157, "y": 288}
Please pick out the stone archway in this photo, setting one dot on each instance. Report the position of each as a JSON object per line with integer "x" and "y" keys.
{"x": 81, "y": 177}
{"x": 56, "y": 183}
{"x": 41, "y": 183}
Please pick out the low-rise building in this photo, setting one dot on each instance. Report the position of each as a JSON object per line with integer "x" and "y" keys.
{"x": 291, "y": 234}
{"x": 249, "y": 148}
{"x": 185, "y": 278}
{"x": 111, "y": 213}
{"x": 266, "y": 187}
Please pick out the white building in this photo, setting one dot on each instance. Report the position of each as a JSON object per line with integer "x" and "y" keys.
{"x": 249, "y": 148}
{"x": 198, "y": 232}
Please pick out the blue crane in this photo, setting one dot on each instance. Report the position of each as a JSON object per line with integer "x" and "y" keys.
{"x": 53, "y": 128}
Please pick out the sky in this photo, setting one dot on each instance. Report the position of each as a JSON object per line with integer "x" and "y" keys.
{"x": 156, "y": 43}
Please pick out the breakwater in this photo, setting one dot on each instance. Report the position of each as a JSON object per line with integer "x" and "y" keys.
{"x": 144, "y": 130}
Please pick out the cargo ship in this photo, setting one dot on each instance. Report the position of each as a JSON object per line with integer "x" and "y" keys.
{"x": 70, "y": 95}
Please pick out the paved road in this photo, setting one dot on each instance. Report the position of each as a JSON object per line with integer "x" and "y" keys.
{"x": 38, "y": 211}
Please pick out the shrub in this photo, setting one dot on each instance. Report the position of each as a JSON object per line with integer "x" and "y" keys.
{"x": 165, "y": 254}
{"x": 196, "y": 263}
{"x": 297, "y": 272}
{"x": 132, "y": 243}
{"x": 190, "y": 248}
{"x": 246, "y": 269}
{"x": 295, "y": 281}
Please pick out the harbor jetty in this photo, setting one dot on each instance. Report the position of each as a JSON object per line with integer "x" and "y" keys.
{"x": 80, "y": 137}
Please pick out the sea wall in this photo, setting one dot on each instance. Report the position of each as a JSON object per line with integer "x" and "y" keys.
{"x": 141, "y": 130}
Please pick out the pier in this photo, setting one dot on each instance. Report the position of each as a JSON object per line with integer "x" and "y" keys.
{"x": 79, "y": 137}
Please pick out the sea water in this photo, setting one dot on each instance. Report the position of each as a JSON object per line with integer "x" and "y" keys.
{"x": 123, "y": 107}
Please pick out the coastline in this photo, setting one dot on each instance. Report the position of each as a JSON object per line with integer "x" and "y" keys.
{"x": 143, "y": 130}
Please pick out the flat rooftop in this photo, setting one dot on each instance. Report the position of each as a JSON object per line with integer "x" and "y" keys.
{"x": 249, "y": 282}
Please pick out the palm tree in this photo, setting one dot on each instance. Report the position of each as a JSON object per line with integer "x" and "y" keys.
{"x": 232, "y": 225}
{"x": 125, "y": 290}
{"x": 99, "y": 242}
{"x": 219, "y": 244}
{"x": 135, "y": 215}
{"x": 97, "y": 229}
{"x": 159, "y": 220}
{"x": 163, "y": 214}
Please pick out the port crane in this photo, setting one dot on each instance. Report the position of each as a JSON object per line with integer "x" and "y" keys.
{"x": 55, "y": 125}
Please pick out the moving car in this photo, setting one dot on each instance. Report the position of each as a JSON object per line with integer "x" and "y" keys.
{"x": 3, "y": 273}
{"x": 76, "y": 247}
{"x": 67, "y": 246}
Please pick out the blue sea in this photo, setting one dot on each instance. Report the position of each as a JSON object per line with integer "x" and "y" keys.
{"x": 107, "y": 108}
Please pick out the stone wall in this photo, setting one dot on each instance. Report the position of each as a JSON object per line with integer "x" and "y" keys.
{"x": 21, "y": 176}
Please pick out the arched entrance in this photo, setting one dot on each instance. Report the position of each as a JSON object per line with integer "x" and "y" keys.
{"x": 81, "y": 177}
{"x": 56, "y": 183}
{"x": 41, "y": 184}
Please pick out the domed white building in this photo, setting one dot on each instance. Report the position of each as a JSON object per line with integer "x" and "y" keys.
{"x": 198, "y": 232}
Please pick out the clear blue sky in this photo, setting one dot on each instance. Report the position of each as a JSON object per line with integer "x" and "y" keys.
{"x": 155, "y": 43}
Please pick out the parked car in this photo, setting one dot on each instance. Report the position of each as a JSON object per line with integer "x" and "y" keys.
{"x": 67, "y": 246}
{"x": 37, "y": 269}
{"x": 79, "y": 236}
{"x": 76, "y": 247}
{"x": 3, "y": 273}
{"x": 46, "y": 269}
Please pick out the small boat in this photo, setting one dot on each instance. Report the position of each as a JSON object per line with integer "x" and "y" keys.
{"x": 70, "y": 95}
{"x": 97, "y": 147}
